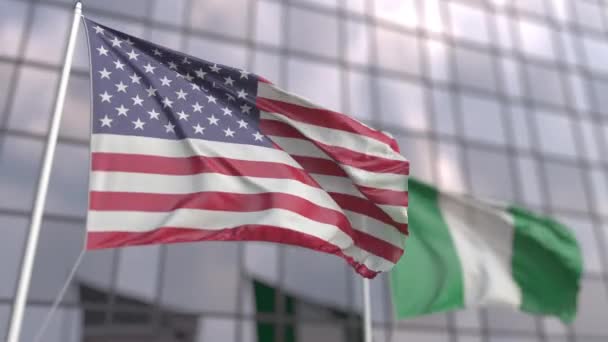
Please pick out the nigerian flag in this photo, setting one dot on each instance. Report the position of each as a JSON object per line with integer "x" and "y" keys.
{"x": 464, "y": 252}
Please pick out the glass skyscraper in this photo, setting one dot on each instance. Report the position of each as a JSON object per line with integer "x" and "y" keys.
{"x": 500, "y": 99}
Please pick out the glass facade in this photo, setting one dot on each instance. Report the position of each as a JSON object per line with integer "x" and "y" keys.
{"x": 495, "y": 98}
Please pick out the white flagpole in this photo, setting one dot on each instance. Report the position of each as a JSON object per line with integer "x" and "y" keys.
{"x": 367, "y": 311}
{"x": 43, "y": 183}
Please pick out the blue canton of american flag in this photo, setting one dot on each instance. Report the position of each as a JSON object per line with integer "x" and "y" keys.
{"x": 187, "y": 150}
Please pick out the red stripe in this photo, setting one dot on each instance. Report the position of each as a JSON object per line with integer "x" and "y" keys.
{"x": 129, "y": 201}
{"x": 98, "y": 240}
{"x": 364, "y": 206}
{"x": 137, "y": 163}
{"x": 324, "y": 118}
{"x": 342, "y": 155}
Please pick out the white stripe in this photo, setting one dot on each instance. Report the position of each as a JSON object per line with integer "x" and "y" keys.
{"x": 334, "y": 137}
{"x": 138, "y": 222}
{"x": 483, "y": 238}
{"x": 206, "y": 182}
{"x": 114, "y": 143}
{"x": 375, "y": 228}
{"x": 337, "y": 184}
{"x": 397, "y": 213}
{"x": 299, "y": 147}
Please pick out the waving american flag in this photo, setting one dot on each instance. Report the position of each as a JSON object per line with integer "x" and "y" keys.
{"x": 188, "y": 150}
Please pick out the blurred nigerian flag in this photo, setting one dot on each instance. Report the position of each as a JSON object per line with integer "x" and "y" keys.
{"x": 464, "y": 252}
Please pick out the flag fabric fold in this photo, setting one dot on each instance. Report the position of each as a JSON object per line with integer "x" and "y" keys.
{"x": 464, "y": 252}
{"x": 188, "y": 150}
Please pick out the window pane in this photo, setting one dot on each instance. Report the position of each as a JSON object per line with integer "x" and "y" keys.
{"x": 70, "y": 171}
{"x": 468, "y": 23}
{"x": 468, "y": 318}
{"x": 49, "y": 35}
{"x": 600, "y": 89}
{"x": 490, "y": 175}
{"x": 397, "y": 52}
{"x": 6, "y": 71}
{"x": 138, "y": 271}
{"x": 503, "y": 28}
{"x": 186, "y": 290}
{"x": 314, "y": 33}
{"x": 265, "y": 65}
{"x": 509, "y": 319}
{"x": 216, "y": 329}
{"x": 482, "y": 120}
{"x": 19, "y": 165}
{"x": 418, "y": 152}
{"x": 435, "y": 320}
{"x": 58, "y": 329}
{"x": 401, "y": 335}
{"x": 402, "y": 104}
{"x": 169, "y": 12}
{"x": 28, "y": 114}
{"x": 218, "y": 52}
{"x": 357, "y": 46}
{"x": 13, "y": 232}
{"x": 592, "y": 309}
{"x": 596, "y": 53}
{"x": 545, "y": 85}
{"x": 449, "y": 163}
{"x": 318, "y": 82}
{"x": 443, "y": 110}
{"x": 520, "y": 127}
{"x": 555, "y": 133}
{"x": 268, "y": 22}
{"x": 12, "y": 20}
{"x": 325, "y": 3}
{"x": 565, "y": 185}
{"x": 587, "y": 239}
{"x": 222, "y": 17}
{"x": 475, "y": 69}
{"x": 590, "y": 142}
{"x": 589, "y": 15}
{"x": 599, "y": 189}
{"x": 530, "y": 6}
{"x": 261, "y": 261}
{"x": 536, "y": 39}
{"x": 433, "y": 20}
{"x": 511, "y": 73}
{"x": 303, "y": 269}
{"x": 59, "y": 246}
{"x": 528, "y": 175}
{"x": 581, "y": 97}
{"x": 438, "y": 60}
{"x": 400, "y": 12}
{"x": 307, "y": 332}
{"x": 360, "y": 102}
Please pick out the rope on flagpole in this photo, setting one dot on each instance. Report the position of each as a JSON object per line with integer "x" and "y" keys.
{"x": 367, "y": 311}
{"x": 59, "y": 298}
{"x": 29, "y": 255}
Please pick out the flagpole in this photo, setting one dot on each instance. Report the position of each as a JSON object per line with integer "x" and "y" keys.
{"x": 43, "y": 182}
{"x": 367, "y": 311}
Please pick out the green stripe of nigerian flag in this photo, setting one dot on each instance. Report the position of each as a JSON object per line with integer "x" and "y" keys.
{"x": 463, "y": 252}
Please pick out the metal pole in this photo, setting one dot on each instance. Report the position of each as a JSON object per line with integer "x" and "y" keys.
{"x": 367, "y": 311}
{"x": 43, "y": 182}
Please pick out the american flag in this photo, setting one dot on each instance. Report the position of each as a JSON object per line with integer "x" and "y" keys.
{"x": 188, "y": 150}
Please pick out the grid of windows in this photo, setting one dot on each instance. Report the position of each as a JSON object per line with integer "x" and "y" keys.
{"x": 500, "y": 99}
